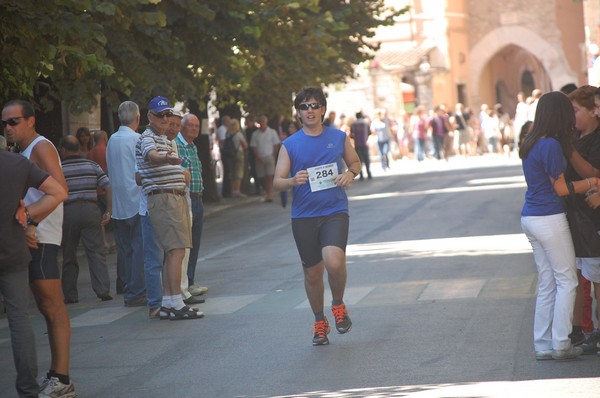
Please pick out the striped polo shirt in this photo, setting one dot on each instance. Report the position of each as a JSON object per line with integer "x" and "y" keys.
{"x": 83, "y": 177}
{"x": 157, "y": 176}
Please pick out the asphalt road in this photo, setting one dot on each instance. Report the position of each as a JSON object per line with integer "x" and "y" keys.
{"x": 441, "y": 290}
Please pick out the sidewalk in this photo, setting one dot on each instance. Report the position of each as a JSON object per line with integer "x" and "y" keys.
{"x": 210, "y": 210}
{"x": 213, "y": 208}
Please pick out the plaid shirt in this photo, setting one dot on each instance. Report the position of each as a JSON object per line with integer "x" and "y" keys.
{"x": 189, "y": 155}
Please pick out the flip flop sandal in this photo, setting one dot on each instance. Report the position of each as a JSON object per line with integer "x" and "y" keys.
{"x": 165, "y": 313}
{"x": 185, "y": 313}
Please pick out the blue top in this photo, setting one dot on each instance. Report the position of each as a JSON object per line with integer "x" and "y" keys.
{"x": 545, "y": 160}
{"x": 310, "y": 151}
{"x": 120, "y": 165}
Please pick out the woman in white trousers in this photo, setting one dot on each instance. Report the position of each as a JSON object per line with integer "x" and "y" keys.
{"x": 544, "y": 222}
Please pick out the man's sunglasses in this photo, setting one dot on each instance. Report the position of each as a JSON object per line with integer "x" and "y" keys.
{"x": 13, "y": 121}
{"x": 162, "y": 115}
{"x": 305, "y": 106}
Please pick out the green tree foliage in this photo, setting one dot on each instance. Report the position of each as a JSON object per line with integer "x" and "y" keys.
{"x": 253, "y": 53}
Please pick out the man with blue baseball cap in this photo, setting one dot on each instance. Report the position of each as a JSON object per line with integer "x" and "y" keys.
{"x": 163, "y": 182}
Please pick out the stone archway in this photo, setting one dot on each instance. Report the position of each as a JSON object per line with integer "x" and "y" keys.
{"x": 551, "y": 58}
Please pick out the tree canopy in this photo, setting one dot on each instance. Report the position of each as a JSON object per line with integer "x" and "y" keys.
{"x": 251, "y": 53}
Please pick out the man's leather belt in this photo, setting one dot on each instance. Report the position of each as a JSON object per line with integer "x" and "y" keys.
{"x": 80, "y": 201}
{"x": 173, "y": 191}
{"x": 196, "y": 195}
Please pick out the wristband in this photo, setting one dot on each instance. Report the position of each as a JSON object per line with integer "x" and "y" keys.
{"x": 30, "y": 221}
{"x": 354, "y": 173}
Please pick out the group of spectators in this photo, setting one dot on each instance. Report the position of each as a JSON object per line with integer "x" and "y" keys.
{"x": 437, "y": 133}
{"x": 247, "y": 154}
{"x": 150, "y": 185}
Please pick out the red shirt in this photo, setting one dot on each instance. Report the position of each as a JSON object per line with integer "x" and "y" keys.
{"x": 98, "y": 155}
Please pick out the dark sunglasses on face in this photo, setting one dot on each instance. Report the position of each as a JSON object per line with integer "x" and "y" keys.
{"x": 162, "y": 115}
{"x": 13, "y": 121}
{"x": 305, "y": 106}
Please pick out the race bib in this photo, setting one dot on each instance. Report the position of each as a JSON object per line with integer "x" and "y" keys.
{"x": 322, "y": 177}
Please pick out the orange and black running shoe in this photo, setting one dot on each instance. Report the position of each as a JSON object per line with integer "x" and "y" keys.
{"x": 321, "y": 330}
{"x": 343, "y": 324}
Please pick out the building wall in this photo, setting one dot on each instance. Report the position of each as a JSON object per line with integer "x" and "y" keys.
{"x": 458, "y": 49}
{"x": 553, "y": 35}
{"x": 486, "y": 47}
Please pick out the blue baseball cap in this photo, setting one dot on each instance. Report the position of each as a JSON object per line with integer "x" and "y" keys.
{"x": 159, "y": 104}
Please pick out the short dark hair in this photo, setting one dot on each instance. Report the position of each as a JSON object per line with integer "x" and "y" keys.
{"x": 311, "y": 92}
{"x": 26, "y": 106}
{"x": 308, "y": 93}
{"x": 568, "y": 88}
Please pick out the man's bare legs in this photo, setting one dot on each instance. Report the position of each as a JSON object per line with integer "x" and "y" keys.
{"x": 49, "y": 298}
{"x": 335, "y": 263}
{"x": 171, "y": 274}
{"x": 171, "y": 277}
{"x": 268, "y": 185}
{"x": 313, "y": 284}
{"x": 334, "y": 260}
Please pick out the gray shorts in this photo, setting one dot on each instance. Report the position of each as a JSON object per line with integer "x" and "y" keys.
{"x": 266, "y": 167}
{"x": 314, "y": 233}
{"x": 464, "y": 137}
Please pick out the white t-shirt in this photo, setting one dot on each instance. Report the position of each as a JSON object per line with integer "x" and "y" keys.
{"x": 264, "y": 141}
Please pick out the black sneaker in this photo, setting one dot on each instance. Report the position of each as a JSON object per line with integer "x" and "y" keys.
{"x": 592, "y": 343}
{"x": 321, "y": 330}
{"x": 343, "y": 324}
{"x": 577, "y": 338}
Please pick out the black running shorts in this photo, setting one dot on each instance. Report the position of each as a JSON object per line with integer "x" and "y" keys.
{"x": 314, "y": 233}
{"x": 44, "y": 262}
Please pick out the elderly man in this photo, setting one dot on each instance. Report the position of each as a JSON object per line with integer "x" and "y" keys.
{"x": 265, "y": 144}
{"x": 153, "y": 251}
{"x": 190, "y": 129}
{"x": 82, "y": 220}
{"x": 121, "y": 164}
{"x": 44, "y": 275}
{"x": 163, "y": 181}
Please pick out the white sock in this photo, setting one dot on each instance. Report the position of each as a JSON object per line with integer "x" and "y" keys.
{"x": 177, "y": 302}
{"x": 167, "y": 301}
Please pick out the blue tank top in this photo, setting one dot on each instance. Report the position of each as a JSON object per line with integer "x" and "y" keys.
{"x": 307, "y": 151}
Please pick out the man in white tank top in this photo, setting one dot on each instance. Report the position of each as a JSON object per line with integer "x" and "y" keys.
{"x": 44, "y": 276}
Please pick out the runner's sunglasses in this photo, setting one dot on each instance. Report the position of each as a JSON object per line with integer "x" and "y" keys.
{"x": 305, "y": 106}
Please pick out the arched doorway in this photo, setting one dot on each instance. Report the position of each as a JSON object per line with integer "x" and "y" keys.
{"x": 510, "y": 70}
{"x": 510, "y": 54}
